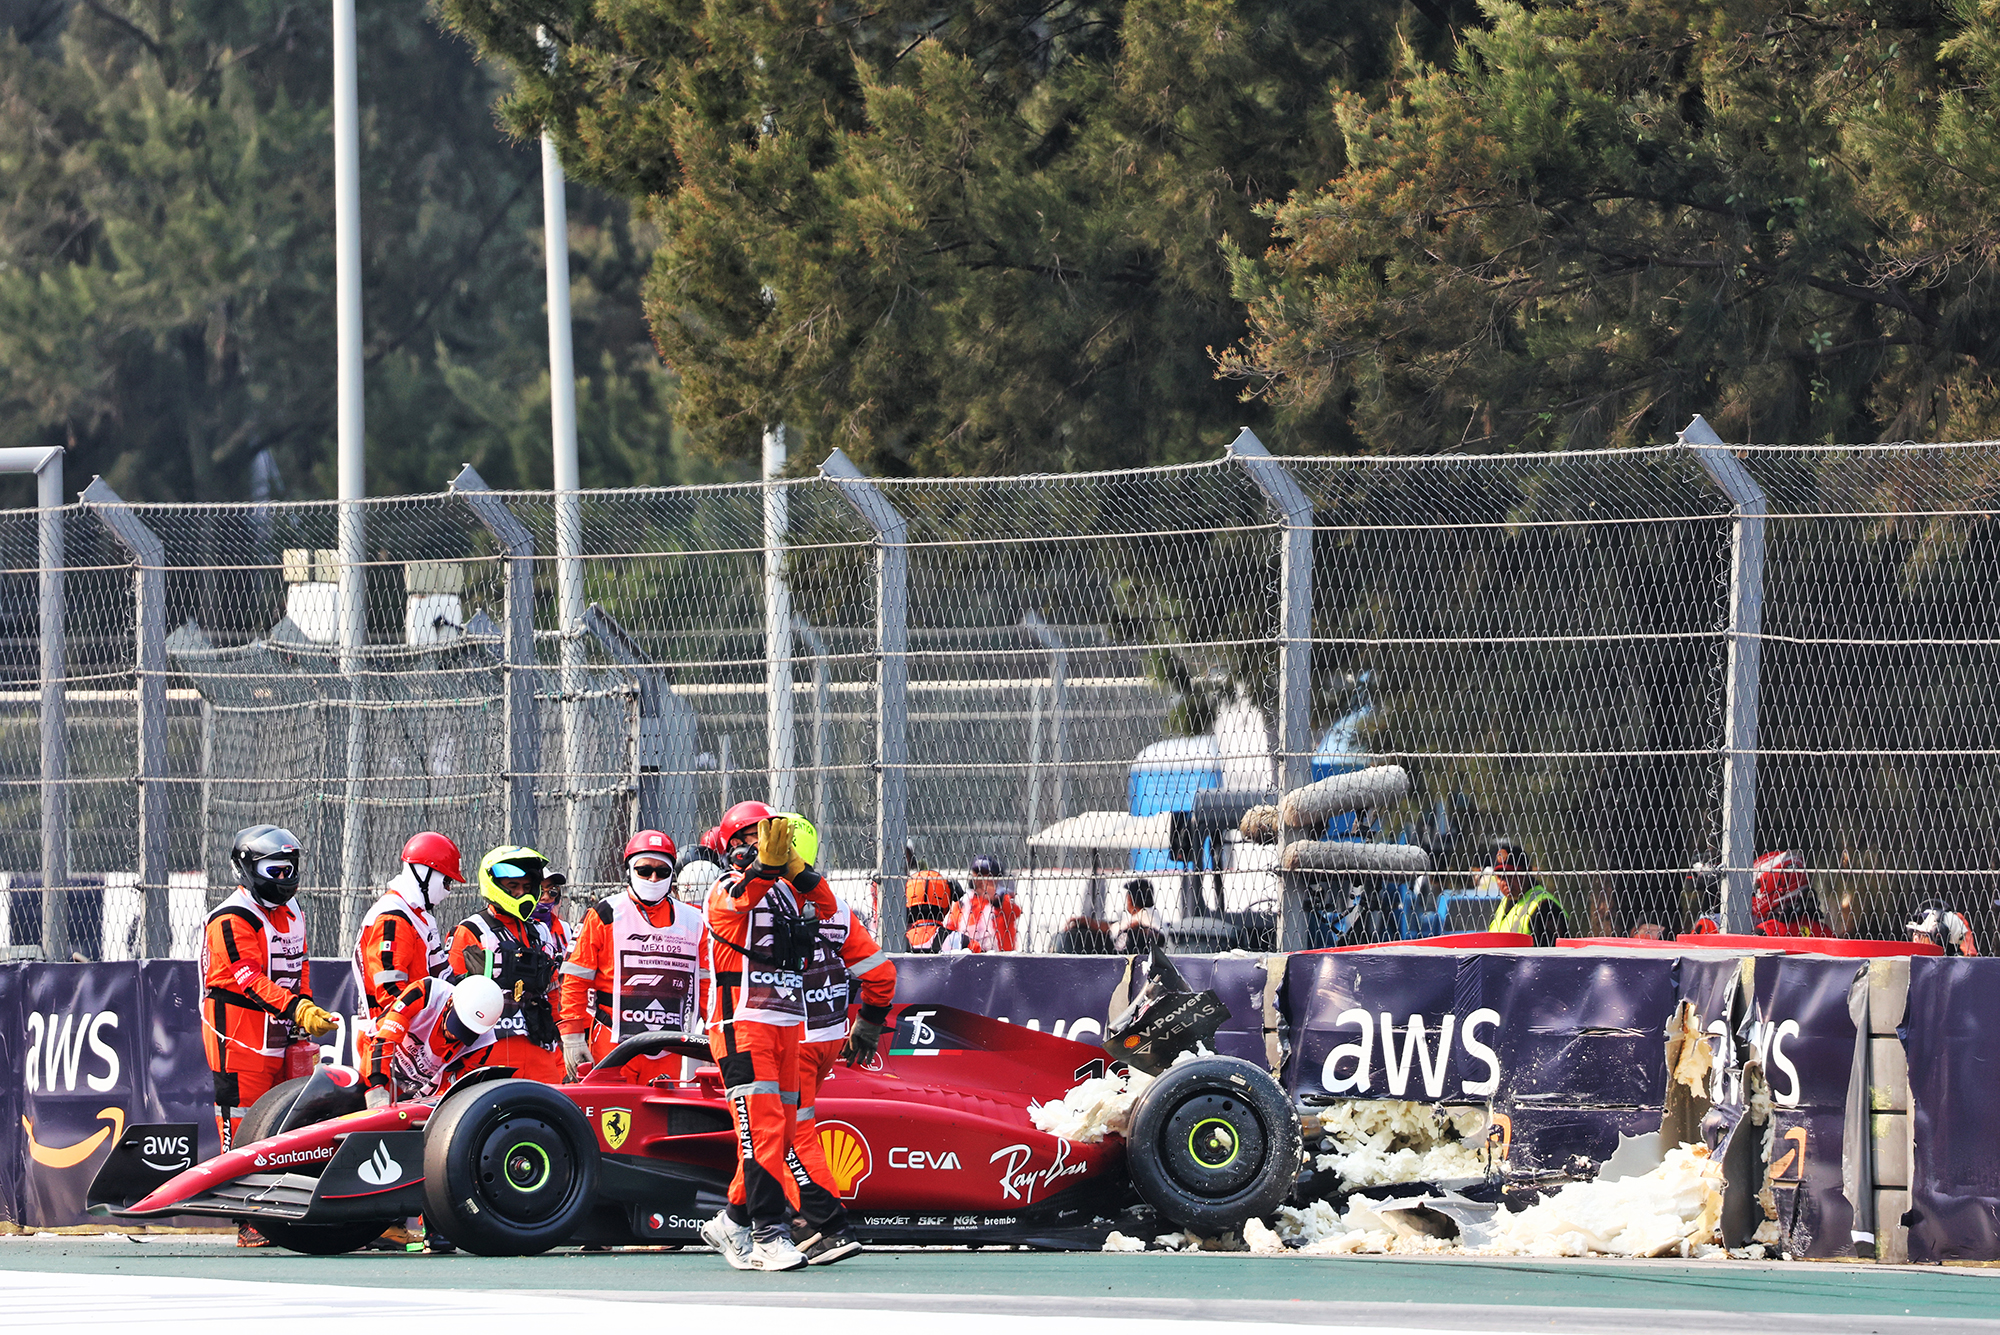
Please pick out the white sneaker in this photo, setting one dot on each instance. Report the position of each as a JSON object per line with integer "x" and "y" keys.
{"x": 731, "y": 1239}
{"x": 776, "y": 1253}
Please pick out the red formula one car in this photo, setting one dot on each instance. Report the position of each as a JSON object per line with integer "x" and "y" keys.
{"x": 935, "y": 1146}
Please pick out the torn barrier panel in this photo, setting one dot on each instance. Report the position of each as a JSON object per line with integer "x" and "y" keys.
{"x": 1567, "y": 1048}
{"x": 1074, "y": 996}
{"x": 1951, "y": 1033}
{"x": 1801, "y": 1030}
{"x": 1790, "y": 1015}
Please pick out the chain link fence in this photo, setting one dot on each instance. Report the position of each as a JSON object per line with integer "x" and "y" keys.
{"x": 1612, "y": 660}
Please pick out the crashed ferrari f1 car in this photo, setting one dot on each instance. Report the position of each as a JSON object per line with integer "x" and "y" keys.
{"x": 935, "y": 1145}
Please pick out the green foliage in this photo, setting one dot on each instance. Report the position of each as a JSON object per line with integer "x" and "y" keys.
{"x": 946, "y": 237}
{"x": 166, "y": 261}
{"x": 1601, "y": 218}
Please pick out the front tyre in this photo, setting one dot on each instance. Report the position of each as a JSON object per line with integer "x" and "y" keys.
{"x": 1214, "y": 1142}
{"x": 321, "y": 1239}
{"x": 261, "y": 1121}
{"x": 510, "y": 1168}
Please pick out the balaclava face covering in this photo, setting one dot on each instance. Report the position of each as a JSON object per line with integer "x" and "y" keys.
{"x": 649, "y": 892}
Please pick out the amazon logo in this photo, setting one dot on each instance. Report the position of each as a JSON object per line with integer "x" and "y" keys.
{"x": 62, "y": 1049}
{"x": 69, "y": 1156}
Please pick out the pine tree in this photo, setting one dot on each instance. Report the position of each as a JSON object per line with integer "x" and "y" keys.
{"x": 959, "y": 238}
{"x": 166, "y": 260}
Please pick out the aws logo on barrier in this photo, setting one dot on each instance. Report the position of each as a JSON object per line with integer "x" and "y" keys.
{"x": 1766, "y": 1040}
{"x": 1352, "y": 1066}
{"x": 55, "y": 1061}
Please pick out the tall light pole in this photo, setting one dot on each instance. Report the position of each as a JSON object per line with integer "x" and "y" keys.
{"x": 569, "y": 506}
{"x": 353, "y": 479}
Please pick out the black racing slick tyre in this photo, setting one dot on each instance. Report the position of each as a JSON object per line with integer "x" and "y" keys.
{"x": 322, "y": 1239}
{"x": 1214, "y": 1142}
{"x": 262, "y": 1120}
{"x": 510, "y": 1168}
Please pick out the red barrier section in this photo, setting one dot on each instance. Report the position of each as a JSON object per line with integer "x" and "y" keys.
{"x": 1453, "y": 941}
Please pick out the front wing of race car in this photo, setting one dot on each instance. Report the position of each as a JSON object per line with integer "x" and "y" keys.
{"x": 366, "y": 1166}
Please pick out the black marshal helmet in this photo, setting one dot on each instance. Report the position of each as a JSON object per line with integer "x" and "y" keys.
{"x": 266, "y": 858}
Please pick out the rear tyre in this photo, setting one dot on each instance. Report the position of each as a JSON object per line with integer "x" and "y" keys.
{"x": 510, "y": 1169}
{"x": 262, "y": 1120}
{"x": 1214, "y": 1142}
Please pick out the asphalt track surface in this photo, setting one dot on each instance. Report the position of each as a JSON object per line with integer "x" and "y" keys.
{"x": 167, "y": 1284}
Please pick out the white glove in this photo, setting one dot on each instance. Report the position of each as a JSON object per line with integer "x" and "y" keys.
{"x": 575, "y": 1053}
{"x": 380, "y": 1096}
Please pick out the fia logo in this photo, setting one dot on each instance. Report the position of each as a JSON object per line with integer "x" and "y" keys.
{"x": 380, "y": 1169}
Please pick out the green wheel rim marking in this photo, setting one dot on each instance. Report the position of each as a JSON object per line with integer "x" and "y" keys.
{"x": 542, "y": 1179}
{"x": 1235, "y": 1143}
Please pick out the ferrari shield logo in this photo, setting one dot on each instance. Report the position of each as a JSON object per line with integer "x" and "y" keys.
{"x": 617, "y": 1124}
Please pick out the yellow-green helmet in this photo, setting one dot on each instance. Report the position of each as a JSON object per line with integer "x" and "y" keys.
{"x": 805, "y": 837}
{"x": 516, "y": 861}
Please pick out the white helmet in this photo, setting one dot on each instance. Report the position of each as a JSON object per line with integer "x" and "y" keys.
{"x": 478, "y": 1003}
{"x": 691, "y": 886}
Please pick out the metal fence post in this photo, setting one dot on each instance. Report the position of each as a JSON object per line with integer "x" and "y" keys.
{"x": 517, "y": 650}
{"x": 1746, "y": 651}
{"x": 780, "y": 755}
{"x": 822, "y": 690}
{"x": 892, "y": 677}
{"x": 1295, "y": 744}
{"x": 149, "y": 591}
{"x": 47, "y": 466}
{"x": 1058, "y": 721}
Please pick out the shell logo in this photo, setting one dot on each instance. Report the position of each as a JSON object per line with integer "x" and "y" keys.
{"x": 848, "y": 1157}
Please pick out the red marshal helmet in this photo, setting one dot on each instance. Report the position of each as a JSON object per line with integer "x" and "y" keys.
{"x": 740, "y": 818}
{"x": 711, "y": 839}
{"x": 433, "y": 850}
{"x": 651, "y": 841}
{"x": 1781, "y": 890}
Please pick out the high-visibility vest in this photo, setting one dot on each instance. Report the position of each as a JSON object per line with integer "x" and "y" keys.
{"x": 649, "y": 986}
{"x": 384, "y": 964}
{"x": 1515, "y": 917}
{"x": 278, "y": 953}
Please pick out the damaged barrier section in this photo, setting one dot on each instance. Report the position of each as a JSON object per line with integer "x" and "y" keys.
{"x": 1615, "y": 1101}
{"x": 1514, "y": 1101}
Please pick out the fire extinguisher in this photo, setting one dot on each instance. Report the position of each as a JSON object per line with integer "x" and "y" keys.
{"x": 301, "y": 1055}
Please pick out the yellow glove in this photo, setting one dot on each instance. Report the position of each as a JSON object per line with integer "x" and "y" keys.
{"x": 774, "y": 842}
{"x": 315, "y": 1021}
{"x": 805, "y": 844}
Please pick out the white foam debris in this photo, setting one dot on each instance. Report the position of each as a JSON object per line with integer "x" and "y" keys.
{"x": 1118, "y": 1242}
{"x": 1382, "y": 1141}
{"x": 1693, "y": 1056}
{"x": 1672, "y": 1210}
{"x": 1675, "y": 1206}
{"x": 1172, "y": 1242}
{"x": 1260, "y": 1237}
{"x": 1227, "y": 1242}
{"x": 1094, "y": 1109}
